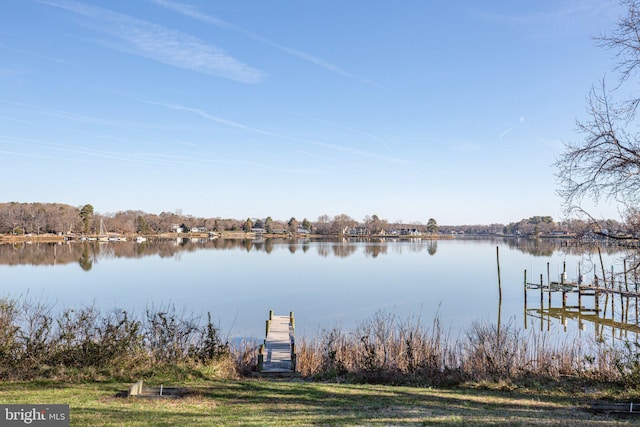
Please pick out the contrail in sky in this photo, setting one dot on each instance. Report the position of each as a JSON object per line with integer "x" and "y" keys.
{"x": 197, "y": 14}
{"x": 161, "y": 44}
{"x": 232, "y": 123}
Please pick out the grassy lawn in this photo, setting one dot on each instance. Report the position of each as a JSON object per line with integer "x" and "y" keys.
{"x": 277, "y": 403}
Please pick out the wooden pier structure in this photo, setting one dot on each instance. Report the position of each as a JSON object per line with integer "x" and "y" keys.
{"x": 596, "y": 303}
{"x": 277, "y": 356}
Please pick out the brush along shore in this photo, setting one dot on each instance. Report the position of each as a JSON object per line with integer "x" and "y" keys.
{"x": 388, "y": 371}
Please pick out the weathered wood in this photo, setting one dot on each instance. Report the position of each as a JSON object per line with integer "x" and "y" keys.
{"x": 628, "y": 408}
{"x": 586, "y": 289}
{"x": 278, "y": 354}
{"x": 588, "y": 315}
{"x": 596, "y": 313}
{"x": 136, "y": 389}
{"x": 139, "y": 390}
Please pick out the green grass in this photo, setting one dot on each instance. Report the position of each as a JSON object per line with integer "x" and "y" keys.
{"x": 277, "y": 403}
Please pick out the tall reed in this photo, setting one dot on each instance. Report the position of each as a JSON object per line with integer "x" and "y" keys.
{"x": 83, "y": 343}
{"x": 386, "y": 349}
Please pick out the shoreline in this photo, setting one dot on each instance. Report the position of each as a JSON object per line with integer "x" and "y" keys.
{"x": 53, "y": 238}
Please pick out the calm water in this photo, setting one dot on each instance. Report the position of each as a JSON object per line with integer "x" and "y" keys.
{"x": 325, "y": 283}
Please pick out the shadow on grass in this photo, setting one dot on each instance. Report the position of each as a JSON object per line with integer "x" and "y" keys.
{"x": 355, "y": 405}
{"x": 264, "y": 403}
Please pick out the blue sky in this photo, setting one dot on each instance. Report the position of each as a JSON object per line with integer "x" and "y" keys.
{"x": 409, "y": 110}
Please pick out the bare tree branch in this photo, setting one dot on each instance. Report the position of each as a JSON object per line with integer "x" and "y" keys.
{"x": 605, "y": 165}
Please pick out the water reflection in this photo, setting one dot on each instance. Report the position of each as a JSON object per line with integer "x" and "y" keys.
{"x": 85, "y": 261}
{"x": 432, "y": 247}
{"x": 547, "y": 247}
{"x": 240, "y": 280}
{"x": 85, "y": 254}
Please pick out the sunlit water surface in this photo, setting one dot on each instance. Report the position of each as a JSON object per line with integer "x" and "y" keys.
{"x": 326, "y": 283}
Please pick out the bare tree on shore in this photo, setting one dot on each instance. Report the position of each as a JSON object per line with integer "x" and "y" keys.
{"x": 604, "y": 165}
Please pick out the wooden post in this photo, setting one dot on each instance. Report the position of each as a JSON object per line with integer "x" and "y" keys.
{"x": 579, "y": 275}
{"x": 292, "y": 321}
{"x": 579, "y": 290}
{"x": 606, "y": 300}
{"x": 621, "y": 296}
{"x": 613, "y": 306}
{"x": 525, "y": 299}
{"x": 579, "y": 298}
{"x": 499, "y": 288}
{"x": 525, "y": 287}
{"x": 626, "y": 287}
{"x": 596, "y": 293}
{"x": 562, "y": 282}
{"x": 635, "y": 280}
{"x": 626, "y": 308}
{"x": 541, "y": 303}
{"x": 549, "y": 291}
{"x": 621, "y": 303}
{"x": 499, "y": 282}
{"x": 541, "y": 295}
{"x": 268, "y": 327}
{"x": 596, "y": 297}
{"x": 604, "y": 276}
{"x": 270, "y": 314}
{"x": 293, "y": 357}
{"x": 626, "y": 283}
{"x": 261, "y": 358}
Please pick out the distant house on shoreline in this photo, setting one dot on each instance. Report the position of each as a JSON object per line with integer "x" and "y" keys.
{"x": 409, "y": 232}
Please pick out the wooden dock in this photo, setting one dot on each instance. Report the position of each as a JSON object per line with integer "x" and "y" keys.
{"x": 600, "y": 297}
{"x": 277, "y": 355}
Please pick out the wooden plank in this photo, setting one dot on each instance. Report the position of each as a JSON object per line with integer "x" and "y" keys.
{"x": 278, "y": 346}
{"x": 136, "y": 389}
{"x": 616, "y": 408}
{"x": 559, "y": 313}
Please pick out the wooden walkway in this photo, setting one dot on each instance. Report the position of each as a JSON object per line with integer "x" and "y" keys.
{"x": 277, "y": 354}
{"x": 623, "y": 315}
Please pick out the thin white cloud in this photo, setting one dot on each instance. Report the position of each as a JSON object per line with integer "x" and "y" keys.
{"x": 195, "y": 13}
{"x": 511, "y": 129}
{"x": 7, "y": 72}
{"x": 569, "y": 16}
{"x": 374, "y": 137}
{"x": 41, "y": 56}
{"x": 18, "y": 104}
{"x": 506, "y": 132}
{"x": 20, "y": 154}
{"x": 212, "y": 118}
{"x": 161, "y": 44}
{"x": 83, "y": 118}
{"x": 231, "y": 123}
{"x": 467, "y": 147}
{"x": 65, "y": 150}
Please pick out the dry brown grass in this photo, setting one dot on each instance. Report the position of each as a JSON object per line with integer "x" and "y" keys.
{"x": 388, "y": 350}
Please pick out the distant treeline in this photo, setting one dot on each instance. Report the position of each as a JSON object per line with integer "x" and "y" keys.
{"x": 58, "y": 218}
